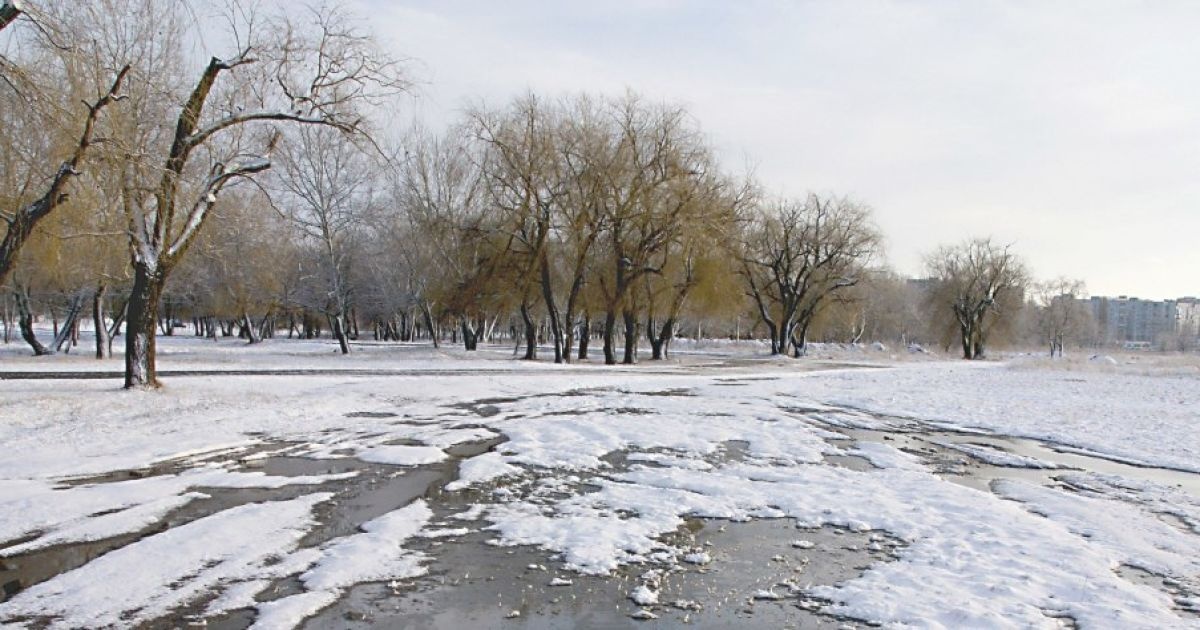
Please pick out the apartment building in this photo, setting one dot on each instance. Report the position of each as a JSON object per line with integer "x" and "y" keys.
{"x": 1125, "y": 319}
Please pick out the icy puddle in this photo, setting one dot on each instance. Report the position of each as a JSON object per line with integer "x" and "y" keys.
{"x": 752, "y": 577}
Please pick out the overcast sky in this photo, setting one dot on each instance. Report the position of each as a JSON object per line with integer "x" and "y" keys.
{"x": 1070, "y": 129}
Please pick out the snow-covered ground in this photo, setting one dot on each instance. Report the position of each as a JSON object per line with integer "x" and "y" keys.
{"x": 598, "y": 468}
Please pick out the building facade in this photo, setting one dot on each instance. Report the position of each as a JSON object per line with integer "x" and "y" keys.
{"x": 1126, "y": 319}
{"x": 1188, "y": 317}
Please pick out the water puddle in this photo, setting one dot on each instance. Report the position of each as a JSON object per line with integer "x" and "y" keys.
{"x": 476, "y": 585}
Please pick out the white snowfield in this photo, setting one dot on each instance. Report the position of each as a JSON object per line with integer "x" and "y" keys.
{"x": 597, "y": 466}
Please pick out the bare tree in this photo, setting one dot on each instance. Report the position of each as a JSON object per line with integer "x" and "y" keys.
{"x": 981, "y": 284}
{"x": 523, "y": 171}
{"x": 444, "y": 226}
{"x": 1060, "y": 314}
{"x": 314, "y": 72}
{"x": 329, "y": 185}
{"x": 795, "y": 256}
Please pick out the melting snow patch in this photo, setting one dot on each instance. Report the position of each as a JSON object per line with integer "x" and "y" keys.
{"x": 644, "y": 596}
{"x": 152, "y": 576}
{"x": 375, "y": 554}
{"x": 401, "y": 455}
{"x": 287, "y": 612}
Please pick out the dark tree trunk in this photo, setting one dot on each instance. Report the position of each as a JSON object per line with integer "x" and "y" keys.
{"x": 660, "y": 340}
{"x": 102, "y": 341}
{"x": 610, "y": 333}
{"x": 556, "y": 325}
{"x": 25, "y": 323}
{"x": 142, "y": 317}
{"x": 530, "y": 333}
{"x": 631, "y": 336}
{"x": 585, "y": 335}
{"x": 470, "y": 334}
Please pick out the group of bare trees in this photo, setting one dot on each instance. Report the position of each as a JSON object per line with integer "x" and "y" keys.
{"x": 250, "y": 193}
{"x": 174, "y": 136}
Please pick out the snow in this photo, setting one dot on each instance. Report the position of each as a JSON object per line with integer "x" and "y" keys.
{"x": 98, "y": 511}
{"x": 1145, "y": 417}
{"x": 644, "y": 596}
{"x": 287, "y": 612}
{"x": 400, "y": 455}
{"x": 152, "y": 576}
{"x": 598, "y": 466}
{"x": 996, "y": 457}
{"x": 481, "y": 469}
{"x": 374, "y": 555}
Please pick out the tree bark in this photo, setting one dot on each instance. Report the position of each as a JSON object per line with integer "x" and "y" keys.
{"x": 25, "y": 323}
{"x": 610, "y": 326}
{"x": 631, "y": 336}
{"x": 427, "y": 313}
{"x": 556, "y": 326}
{"x": 339, "y": 333}
{"x": 660, "y": 340}
{"x": 530, "y": 333}
{"x": 251, "y": 336}
{"x": 470, "y": 334}
{"x": 585, "y": 335}
{"x": 102, "y": 342}
{"x": 140, "y": 328}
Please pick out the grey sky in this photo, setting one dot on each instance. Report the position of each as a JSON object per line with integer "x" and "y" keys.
{"x": 1071, "y": 129}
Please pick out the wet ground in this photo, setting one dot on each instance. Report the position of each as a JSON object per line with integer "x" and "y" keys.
{"x": 475, "y": 584}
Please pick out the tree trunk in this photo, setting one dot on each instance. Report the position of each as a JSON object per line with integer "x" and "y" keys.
{"x": 102, "y": 341}
{"x": 470, "y": 334}
{"x": 67, "y": 331}
{"x": 556, "y": 324}
{"x": 427, "y": 313}
{"x": 339, "y": 333}
{"x": 25, "y": 323}
{"x": 660, "y": 341}
{"x": 585, "y": 335}
{"x": 248, "y": 326}
{"x": 965, "y": 335}
{"x": 530, "y": 333}
{"x": 631, "y": 336}
{"x": 140, "y": 328}
{"x": 610, "y": 325}
{"x": 118, "y": 319}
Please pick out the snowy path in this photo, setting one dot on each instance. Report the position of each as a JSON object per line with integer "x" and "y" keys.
{"x": 279, "y": 498}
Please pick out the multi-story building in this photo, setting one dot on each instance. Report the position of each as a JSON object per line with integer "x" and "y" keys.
{"x": 1129, "y": 319}
{"x": 1187, "y": 315}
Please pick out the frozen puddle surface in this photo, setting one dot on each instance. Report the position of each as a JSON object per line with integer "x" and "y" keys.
{"x": 708, "y": 501}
